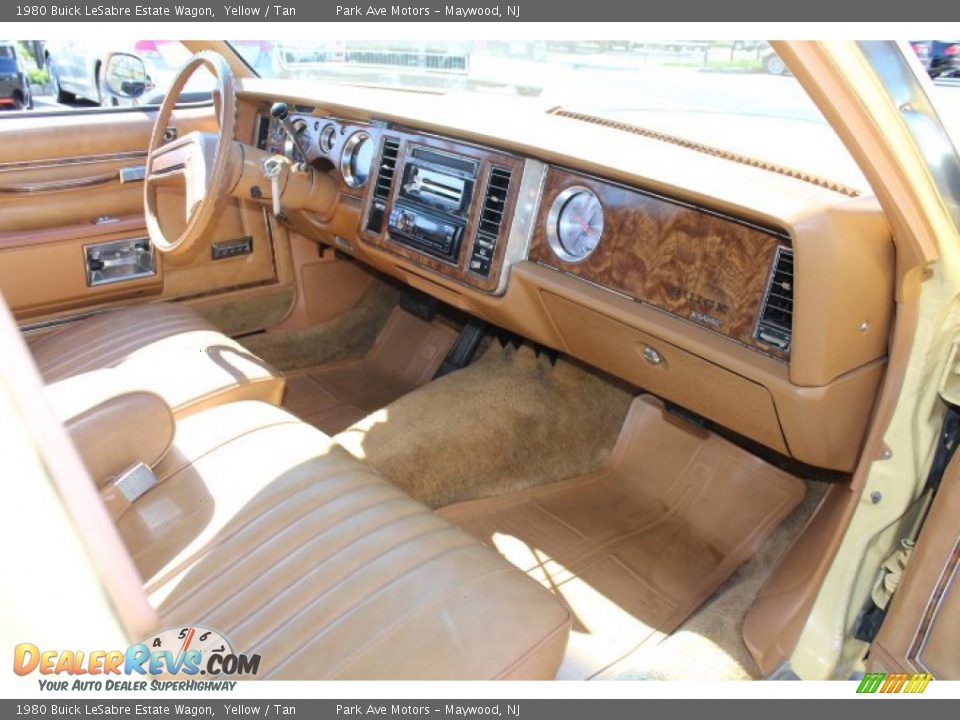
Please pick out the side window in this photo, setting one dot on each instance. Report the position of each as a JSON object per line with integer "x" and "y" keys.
{"x": 70, "y": 75}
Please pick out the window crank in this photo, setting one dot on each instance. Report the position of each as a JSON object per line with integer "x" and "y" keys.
{"x": 272, "y": 170}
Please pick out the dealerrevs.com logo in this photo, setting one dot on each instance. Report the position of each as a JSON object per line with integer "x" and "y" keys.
{"x": 185, "y": 658}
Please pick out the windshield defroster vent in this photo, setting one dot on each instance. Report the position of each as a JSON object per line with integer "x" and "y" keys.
{"x": 776, "y": 318}
{"x": 491, "y": 220}
{"x": 709, "y": 150}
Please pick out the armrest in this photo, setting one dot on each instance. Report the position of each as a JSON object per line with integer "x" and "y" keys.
{"x": 112, "y": 429}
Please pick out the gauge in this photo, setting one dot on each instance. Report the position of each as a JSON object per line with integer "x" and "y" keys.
{"x": 575, "y": 224}
{"x": 328, "y": 138}
{"x": 356, "y": 159}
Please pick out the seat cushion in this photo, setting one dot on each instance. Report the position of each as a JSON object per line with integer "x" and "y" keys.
{"x": 163, "y": 348}
{"x": 265, "y": 530}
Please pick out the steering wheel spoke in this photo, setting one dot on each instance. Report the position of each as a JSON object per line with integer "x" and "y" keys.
{"x": 195, "y": 165}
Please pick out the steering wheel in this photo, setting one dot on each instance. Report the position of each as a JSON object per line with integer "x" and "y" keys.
{"x": 195, "y": 165}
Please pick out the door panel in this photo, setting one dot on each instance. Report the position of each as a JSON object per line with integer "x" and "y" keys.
{"x": 61, "y": 189}
{"x": 921, "y": 633}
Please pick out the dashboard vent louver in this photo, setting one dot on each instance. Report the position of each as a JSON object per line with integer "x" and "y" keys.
{"x": 776, "y": 318}
{"x": 495, "y": 202}
{"x": 263, "y": 131}
{"x": 491, "y": 220}
{"x": 388, "y": 165}
{"x": 384, "y": 184}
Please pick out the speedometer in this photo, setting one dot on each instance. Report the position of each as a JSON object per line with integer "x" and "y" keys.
{"x": 575, "y": 224}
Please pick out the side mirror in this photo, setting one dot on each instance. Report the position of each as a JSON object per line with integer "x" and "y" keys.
{"x": 125, "y": 75}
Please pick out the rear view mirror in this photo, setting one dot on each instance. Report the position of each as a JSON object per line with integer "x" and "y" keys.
{"x": 125, "y": 75}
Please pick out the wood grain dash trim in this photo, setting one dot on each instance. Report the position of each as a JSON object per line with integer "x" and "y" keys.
{"x": 696, "y": 264}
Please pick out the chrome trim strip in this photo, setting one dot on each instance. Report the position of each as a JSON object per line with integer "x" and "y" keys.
{"x": 36, "y": 327}
{"x": 69, "y": 162}
{"x": 525, "y": 213}
{"x": 59, "y": 185}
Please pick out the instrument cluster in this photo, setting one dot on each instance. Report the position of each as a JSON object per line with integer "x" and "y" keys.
{"x": 348, "y": 147}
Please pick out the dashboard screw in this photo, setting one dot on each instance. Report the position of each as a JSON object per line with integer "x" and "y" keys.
{"x": 875, "y": 497}
{"x": 886, "y": 453}
{"x": 864, "y": 326}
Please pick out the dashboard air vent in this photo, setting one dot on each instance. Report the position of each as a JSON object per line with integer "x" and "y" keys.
{"x": 491, "y": 220}
{"x": 776, "y": 317}
{"x": 388, "y": 164}
{"x": 381, "y": 190}
{"x": 263, "y": 131}
{"x": 495, "y": 201}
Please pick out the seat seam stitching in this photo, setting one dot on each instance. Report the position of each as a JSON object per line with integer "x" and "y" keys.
{"x": 283, "y": 529}
{"x": 353, "y": 572}
{"x": 349, "y": 611}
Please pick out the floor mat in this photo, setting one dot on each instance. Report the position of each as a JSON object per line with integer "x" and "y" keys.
{"x": 635, "y": 548}
{"x": 406, "y": 354}
{"x": 709, "y": 644}
{"x": 510, "y": 420}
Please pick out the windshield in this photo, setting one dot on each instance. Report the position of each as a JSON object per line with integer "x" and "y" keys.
{"x": 736, "y": 96}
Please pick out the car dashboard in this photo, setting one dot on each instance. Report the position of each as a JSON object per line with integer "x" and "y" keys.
{"x": 758, "y": 299}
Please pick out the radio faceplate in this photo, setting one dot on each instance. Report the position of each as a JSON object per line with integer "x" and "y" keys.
{"x": 433, "y": 202}
{"x": 432, "y": 233}
{"x": 438, "y": 190}
{"x": 438, "y": 180}
{"x": 447, "y": 206}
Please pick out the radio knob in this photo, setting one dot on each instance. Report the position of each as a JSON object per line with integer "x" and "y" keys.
{"x": 406, "y": 221}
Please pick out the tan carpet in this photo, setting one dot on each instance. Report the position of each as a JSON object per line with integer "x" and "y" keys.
{"x": 508, "y": 421}
{"x": 407, "y": 353}
{"x": 248, "y": 314}
{"x": 348, "y": 335}
{"x": 636, "y": 547}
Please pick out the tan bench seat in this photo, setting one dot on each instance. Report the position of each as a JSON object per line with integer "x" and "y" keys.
{"x": 263, "y": 529}
{"x": 160, "y": 347}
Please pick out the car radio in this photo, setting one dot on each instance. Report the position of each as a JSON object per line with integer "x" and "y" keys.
{"x": 430, "y": 233}
{"x": 432, "y": 205}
